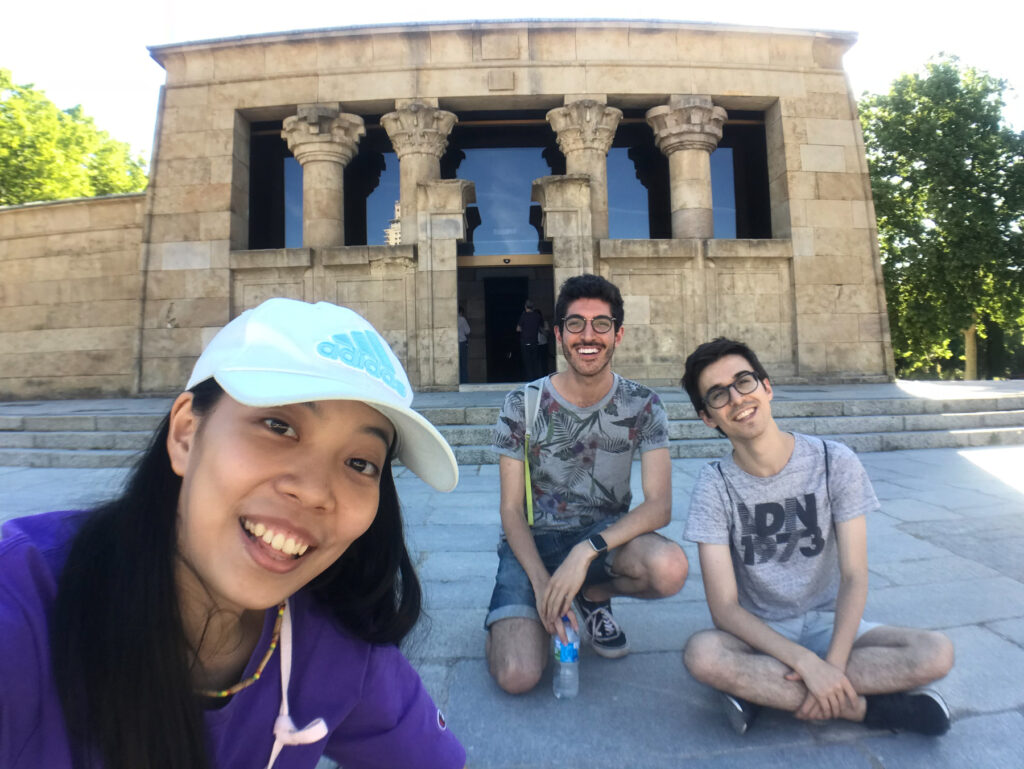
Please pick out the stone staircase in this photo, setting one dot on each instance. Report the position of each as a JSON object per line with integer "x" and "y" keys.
{"x": 864, "y": 425}
{"x": 111, "y": 433}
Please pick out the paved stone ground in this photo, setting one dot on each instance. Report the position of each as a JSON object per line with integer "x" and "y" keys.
{"x": 946, "y": 552}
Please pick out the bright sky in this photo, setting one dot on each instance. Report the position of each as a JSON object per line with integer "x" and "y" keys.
{"x": 94, "y": 52}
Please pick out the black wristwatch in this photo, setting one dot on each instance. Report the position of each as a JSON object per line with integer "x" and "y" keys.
{"x": 597, "y": 542}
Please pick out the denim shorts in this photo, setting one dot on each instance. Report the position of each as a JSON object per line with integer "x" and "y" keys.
{"x": 513, "y": 592}
{"x": 814, "y": 629}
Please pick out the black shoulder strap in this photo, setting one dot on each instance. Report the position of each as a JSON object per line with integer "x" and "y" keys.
{"x": 828, "y": 491}
{"x": 718, "y": 466}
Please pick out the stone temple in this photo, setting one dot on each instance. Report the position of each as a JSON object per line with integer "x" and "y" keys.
{"x": 717, "y": 174}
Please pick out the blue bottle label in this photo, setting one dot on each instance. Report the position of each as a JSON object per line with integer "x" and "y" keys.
{"x": 569, "y": 652}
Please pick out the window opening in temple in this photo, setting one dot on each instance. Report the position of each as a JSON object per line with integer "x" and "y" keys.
{"x": 739, "y": 178}
{"x": 275, "y": 189}
{"x": 292, "y": 202}
{"x": 371, "y": 191}
{"x": 502, "y": 154}
{"x": 723, "y": 192}
{"x": 638, "y": 182}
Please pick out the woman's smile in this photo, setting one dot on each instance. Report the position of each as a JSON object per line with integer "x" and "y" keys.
{"x": 282, "y": 540}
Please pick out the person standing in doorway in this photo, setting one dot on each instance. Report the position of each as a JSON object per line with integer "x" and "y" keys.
{"x": 528, "y": 326}
{"x": 464, "y": 332}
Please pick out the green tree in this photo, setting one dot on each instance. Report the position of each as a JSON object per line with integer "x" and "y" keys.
{"x": 948, "y": 181}
{"x": 50, "y": 154}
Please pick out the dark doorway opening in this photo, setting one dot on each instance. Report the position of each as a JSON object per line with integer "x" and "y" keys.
{"x": 493, "y": 298}
{"x": 503, "y": 300}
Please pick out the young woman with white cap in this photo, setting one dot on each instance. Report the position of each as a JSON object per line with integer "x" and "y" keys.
{"x": 240, "y": 604}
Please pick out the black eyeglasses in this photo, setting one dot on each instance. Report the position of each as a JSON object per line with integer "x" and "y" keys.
{"x": 744, "y": 383}
{"x": 601, "y": 324}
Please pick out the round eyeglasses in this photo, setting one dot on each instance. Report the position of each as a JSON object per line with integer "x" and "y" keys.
{"x": 744, "y": 383}
{"x": 601, "y": 324}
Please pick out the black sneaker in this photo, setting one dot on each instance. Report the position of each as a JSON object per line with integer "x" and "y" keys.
{"x": 741, "y": 714}
{"x": 601, "y": 629}
{"x": 924, "y": 712}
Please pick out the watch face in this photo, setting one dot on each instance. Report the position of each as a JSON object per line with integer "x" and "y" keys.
{"x": 597, "y": 542}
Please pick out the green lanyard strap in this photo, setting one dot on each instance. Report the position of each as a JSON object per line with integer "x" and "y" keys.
{"x": 531, "y": 404}
{"x": 529, "y": 488}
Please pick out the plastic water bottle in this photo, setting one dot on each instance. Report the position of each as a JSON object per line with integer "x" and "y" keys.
{"x": 566, "y": 681}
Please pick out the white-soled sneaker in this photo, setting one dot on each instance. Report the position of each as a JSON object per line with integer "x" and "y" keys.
{"x": 601, "y": 629}
{"x": 741, "y": 714}
{"x": 924, "y": 712}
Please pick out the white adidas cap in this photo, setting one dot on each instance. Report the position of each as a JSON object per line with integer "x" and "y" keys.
{"x": 286, "y": 351}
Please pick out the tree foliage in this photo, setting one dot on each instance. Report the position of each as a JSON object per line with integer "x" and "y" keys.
{"x": 50, "y": 154}
{"x": 948, "y": 181}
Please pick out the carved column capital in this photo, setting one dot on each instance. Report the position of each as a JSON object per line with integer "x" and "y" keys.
{"x": 687, "y": 122}
{"x": 323, "y": 139}
{"x": 584, "y": 125}
{"x": 322, "y": 132}
{"x": 585, "y": 129}
{"x": 418, "y": 128}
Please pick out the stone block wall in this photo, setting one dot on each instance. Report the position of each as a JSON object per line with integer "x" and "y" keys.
{"x": 679, "y": 293}
{"x": 70, "y": 297}
{"x": 120, "y": 295}
{"x": 375, "y": 281}
{"x": 814, "y": 304}
{"x": 821, "y": 198}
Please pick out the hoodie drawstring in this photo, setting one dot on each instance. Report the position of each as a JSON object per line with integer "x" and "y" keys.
{"x": 285, "y": 732}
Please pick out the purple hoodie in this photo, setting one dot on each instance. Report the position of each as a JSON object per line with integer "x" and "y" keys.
{"x": 374, "y": 706}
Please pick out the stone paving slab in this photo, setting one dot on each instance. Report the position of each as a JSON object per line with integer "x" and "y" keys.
{"x": 988, "y": 676}
{"x": 988, "y": 742}
{"x": 947, "y": 551}
{"x": 1010, "y": 629}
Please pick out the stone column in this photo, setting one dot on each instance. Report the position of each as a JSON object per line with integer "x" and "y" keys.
{"x": 434, "y": 339}
{"x": 565, "y": 202}
{"x": 323, "y": 139}
{"x": 419, "y": 133}
{"x": 585, "y": 129}
{"x": 688, "y": 130}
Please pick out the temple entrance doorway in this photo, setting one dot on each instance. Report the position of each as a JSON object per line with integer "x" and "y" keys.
{"x": 494, "y": 296}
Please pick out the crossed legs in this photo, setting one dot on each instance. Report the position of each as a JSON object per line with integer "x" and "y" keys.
{"x": 649, "y": 566}
{"x": 883, "y": 660}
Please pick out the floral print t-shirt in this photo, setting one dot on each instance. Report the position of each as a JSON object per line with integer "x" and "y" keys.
{"x": 580, "y": 458}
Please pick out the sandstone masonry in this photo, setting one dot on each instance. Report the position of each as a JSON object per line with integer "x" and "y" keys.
{"x": 118, "y": 295}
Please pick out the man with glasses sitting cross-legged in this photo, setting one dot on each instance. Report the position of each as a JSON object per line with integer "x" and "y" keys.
{"x": 781, "y": 533}
{"x": 574, "y": 536}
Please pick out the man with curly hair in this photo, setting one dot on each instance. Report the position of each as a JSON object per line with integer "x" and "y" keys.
{"x": 587, "y": 541}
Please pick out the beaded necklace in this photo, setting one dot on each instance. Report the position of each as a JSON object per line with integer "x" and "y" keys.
{"x": 220, "y": 693}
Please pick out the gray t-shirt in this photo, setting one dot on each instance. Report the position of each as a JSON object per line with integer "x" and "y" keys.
{"x": 780, "y": 529}
{"x": 581, "y": 458}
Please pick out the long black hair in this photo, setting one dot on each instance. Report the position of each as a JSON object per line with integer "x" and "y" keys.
{"x": 121, "y": 658}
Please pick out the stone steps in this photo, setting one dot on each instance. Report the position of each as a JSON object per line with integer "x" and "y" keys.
{"x": 66, "y": 458}
{"x": 882, "y": 424}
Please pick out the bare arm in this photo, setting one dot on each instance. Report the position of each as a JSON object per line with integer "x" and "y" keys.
{"x": 851, "y": 537}
{"x": 656, "y": 509}
{"x": 651, "y": 514}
